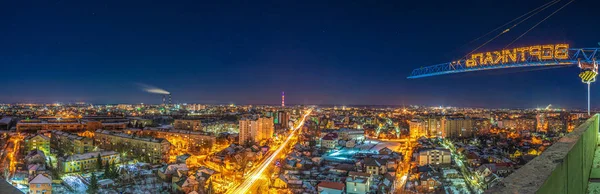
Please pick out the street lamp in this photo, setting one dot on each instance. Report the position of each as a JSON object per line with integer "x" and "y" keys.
{"x": 588, "y": 75}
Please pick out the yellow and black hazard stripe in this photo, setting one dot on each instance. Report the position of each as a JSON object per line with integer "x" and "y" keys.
{"x": 587, "y": 76}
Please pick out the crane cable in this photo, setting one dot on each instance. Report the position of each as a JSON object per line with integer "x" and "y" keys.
{"x": 539, "y": 23}
{"x": 543, "y": 7}
{"x": 533, "y": 10}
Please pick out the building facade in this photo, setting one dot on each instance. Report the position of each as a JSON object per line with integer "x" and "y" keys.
{"x": 221, "y": 127}
{"x": 39, "y": 142}
{"x": 358, "y": 183}
{"x": 186, "y": 124}
{"x": 32, "y": 125}
{"x": 283, "y": 119}
{"x": 53, "y": 124}
{"x": 352, "y": 134}
{"x": 255, "y": 130}
{"x": 189, "y": 141}
{"x": 434, "y": 157}
{"x": 68, "y": 143}
{"x": 152, "y": 150}
{"x": 329, "y": 141}
{"x": 458, "y": 127}
{"x": 86, "y": 162}
{"x": 416, "y": 128}
{"x": 40, "y": 184}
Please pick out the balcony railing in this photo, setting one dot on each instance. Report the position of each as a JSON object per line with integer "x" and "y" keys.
{"x": 563, "y": 168}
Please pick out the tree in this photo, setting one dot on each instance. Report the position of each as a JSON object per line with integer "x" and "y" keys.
{"x": 99, "y": 162}
{"x": 53, "y": 171}
{"x": 50, "y": 163}
{"x": 107, "y": 171}
{"x": 210, "y": 189}
{"x": 113, "y": 170}
{"x": 93, "y": 188}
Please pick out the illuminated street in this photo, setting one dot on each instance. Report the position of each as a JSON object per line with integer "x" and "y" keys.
{"x": 257, "y": 174}
{"x": 469, "y": 176}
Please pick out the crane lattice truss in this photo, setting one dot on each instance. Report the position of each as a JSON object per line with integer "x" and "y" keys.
{"x": 586, "y": 55}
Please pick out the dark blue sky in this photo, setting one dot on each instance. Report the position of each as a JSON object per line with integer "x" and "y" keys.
{"x": 318, "y": 52}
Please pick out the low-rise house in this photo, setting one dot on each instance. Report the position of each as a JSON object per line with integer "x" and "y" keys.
{"x": 190, "y": 184}
{"x": 473, "y": 159}
{"x": 358, "y": 183}
{"x": 485, "y": 169}
{"x": 205, "y": 175}
{"x": 350, "y": 143}
{"x": 177, "y": 182}
{"x": 375, "y": 166}
{"x": 388, "y": 184}
{"x": 327, "y": 187}
{"x": 504, "y": 169}
{"x": 429, "y": 184}
{"x": 35, "y": 157}
{"x": 40, "y": 184}
{"x": 329, "y": 141}
{"x": 167, "y": 173}
{"x": 287, "y": 182}
{"x": 36, "y": 169}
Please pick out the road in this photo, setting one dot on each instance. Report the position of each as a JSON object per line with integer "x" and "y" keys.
{"x": 402, "y": 174}
{"x": 258, "y": 174}
{"x": 468, "y": 175}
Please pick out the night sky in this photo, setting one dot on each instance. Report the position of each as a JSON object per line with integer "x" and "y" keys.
{"x": 318, "y": 52}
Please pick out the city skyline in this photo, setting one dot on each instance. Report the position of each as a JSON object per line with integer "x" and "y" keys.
{"x": 70, "y": 51}
{"x": 299, "y": 97}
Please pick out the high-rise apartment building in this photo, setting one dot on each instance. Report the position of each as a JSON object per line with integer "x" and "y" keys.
{"x": 283, "y": 119}
{"x": 255, "y": 129}
{"x": 428, "y": 127}
{"x": 458, "y": 127}
{"x": 416, "y": 128}
{"x": 434, "y": 126}
{"x": 518, "y": 124}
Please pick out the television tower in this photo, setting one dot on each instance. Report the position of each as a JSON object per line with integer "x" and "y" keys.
{"x": 282, "y": 99}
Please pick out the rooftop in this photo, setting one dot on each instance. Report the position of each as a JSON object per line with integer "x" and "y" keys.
{"x": 40, "y": 179}
{"x": 331, "y": 185}
{"x": 124, "y": 135}
{"x": 89, "y": 155}
{"x": 68, "y": 135}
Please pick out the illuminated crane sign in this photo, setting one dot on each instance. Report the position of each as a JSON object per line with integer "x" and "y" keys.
{"x": 519, "y": 55}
